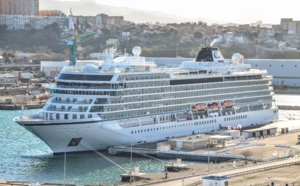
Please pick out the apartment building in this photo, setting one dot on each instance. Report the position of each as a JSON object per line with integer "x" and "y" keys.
{"x": 289, "y": 26}
{"x": 50, "y": 13}
{"x": 20, "y": 22}
{"x": 19, "y": 7}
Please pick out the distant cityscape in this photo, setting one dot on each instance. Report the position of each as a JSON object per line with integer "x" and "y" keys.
{"x": 159, "y": 39}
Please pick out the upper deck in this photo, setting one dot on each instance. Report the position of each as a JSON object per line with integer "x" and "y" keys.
{"x": 135, "y": 68}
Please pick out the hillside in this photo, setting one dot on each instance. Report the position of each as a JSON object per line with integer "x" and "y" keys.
{"x": 91, "y": 8}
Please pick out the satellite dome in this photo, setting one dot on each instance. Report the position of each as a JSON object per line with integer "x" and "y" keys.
{"x": 90, "y": 68}
{"x": 136, "y": 51}
{"x": 236, "y": 57}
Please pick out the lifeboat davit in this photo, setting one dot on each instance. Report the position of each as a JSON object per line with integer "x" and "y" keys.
{"x": 227, "y": 103}
{"x": 200, "y": 106}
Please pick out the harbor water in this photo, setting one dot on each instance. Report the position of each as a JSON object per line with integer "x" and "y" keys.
{"x": 24, "y": 157}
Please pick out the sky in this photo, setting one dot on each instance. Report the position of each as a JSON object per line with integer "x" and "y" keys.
{"x": 229, "y": 11}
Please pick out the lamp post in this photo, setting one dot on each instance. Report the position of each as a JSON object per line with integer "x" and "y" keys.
{"x": 65, "y": 161}
{"x": 207, "y": 155}
{"x": 256, "y": 51}
{"x": 130, "y": 178}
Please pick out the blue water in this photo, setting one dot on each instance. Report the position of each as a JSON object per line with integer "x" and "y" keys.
{"x": 24, "y": 157}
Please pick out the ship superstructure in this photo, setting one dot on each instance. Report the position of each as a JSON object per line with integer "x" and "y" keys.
{"x": 128, "y": 100}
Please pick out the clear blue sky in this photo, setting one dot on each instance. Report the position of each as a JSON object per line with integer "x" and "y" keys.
{"x": 237, "y": 11}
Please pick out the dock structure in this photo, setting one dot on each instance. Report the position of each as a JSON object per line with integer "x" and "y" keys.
{"x": 17, "y": 183}
{"x": 176, "y": 166}
{"x": 214, "y": 148}
{"x": 268, "y": 155}
{"x": 196, "y": 179}
{"x": 133, "y": 177}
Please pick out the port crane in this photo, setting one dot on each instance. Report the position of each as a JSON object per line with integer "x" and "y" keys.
{"x": 74, "y": 42}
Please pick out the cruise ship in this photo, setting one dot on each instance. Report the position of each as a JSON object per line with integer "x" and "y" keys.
{"x": 128, "y": 100}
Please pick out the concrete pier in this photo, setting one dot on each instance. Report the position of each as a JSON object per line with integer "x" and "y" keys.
{"x": 133, "y": 177}
{"x": 263, "y": 148}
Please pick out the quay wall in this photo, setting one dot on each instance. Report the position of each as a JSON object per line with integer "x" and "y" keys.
{"x": 20, "y": 90}
{"x": 193, "y": 157}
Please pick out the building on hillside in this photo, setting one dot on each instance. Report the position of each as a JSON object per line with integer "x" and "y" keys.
{"x": 289, "y": 26}
{"x": 84, "y": 20}
{"x": 51, "y": 13}
{"x": 19, "y": 7}
{"x": 105, "y": 21}
{"x": 261, "y": 24}
{"x": 125, "y": 35}
{"x": 113, "y": 42}
{"x": 20, "y": 22}
{"x": 114, "y": 20}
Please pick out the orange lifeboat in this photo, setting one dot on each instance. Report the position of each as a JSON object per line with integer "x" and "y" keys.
{"x": 45, "y": 96}
{"x": 194, "y": 108}
{"x": 213, "y": 106}
{"x": 200, "y": 106}
{"x": 227, "y": 103}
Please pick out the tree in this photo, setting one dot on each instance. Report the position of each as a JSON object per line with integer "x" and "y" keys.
{"x": 246, "y": 153}
{"x": 198, "y": 35}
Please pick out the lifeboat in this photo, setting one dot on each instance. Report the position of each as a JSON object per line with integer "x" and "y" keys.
{"x": 227, "y": 103}
{"x": 201, "y": 106}
{"x": 213, "y": 106}
{"x": 45, "y": 96}
{"x": 194, "y": 108}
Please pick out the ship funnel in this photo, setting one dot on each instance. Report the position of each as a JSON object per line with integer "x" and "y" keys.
{"x": 209, "y": 54}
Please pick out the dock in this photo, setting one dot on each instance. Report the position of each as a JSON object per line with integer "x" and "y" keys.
{"x": 133, "y": 177}
{"x": 262, "y": 148}
{"x": 264, "y": 153}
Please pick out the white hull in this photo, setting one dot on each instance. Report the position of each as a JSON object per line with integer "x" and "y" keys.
{"x": 100, "y": 135}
